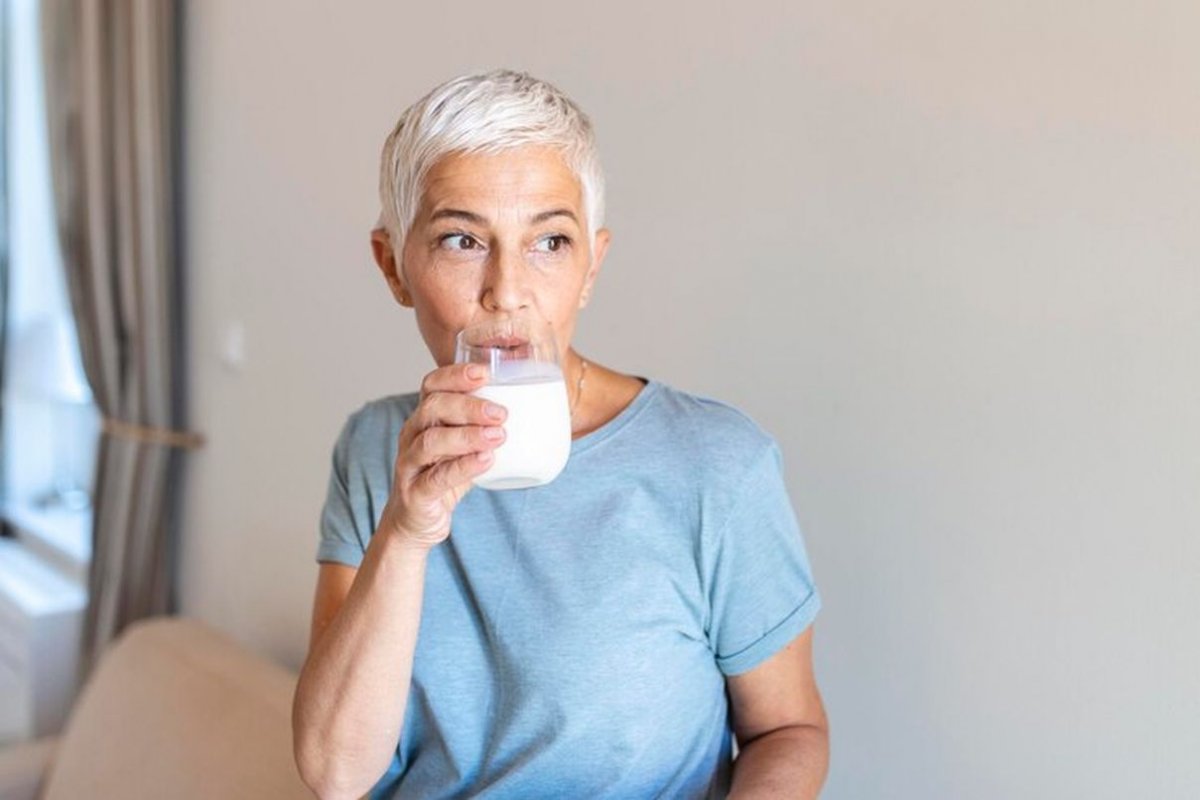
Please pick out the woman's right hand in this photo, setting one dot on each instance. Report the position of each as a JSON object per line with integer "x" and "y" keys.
{"x": 445, "y": 444}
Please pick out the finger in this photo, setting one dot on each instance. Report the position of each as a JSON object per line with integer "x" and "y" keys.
{"x": 441, "y": 411}
{"x": 454, "y": 378}
{"x": 441, "y": 443}
{"x": 454, "y": 474}
{"x": 455, "y": 408}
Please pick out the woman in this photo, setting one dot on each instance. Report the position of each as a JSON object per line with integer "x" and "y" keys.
{"x": 599, "y": 636}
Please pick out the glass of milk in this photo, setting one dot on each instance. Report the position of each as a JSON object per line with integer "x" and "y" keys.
{"x": 525, "y": 377}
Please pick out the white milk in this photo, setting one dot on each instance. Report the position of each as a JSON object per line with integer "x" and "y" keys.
{"x": 538, "y": 429}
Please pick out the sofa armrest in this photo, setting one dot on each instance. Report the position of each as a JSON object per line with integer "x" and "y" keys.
{"x": 176, "y": 709}
{"x": 23, "y": 767}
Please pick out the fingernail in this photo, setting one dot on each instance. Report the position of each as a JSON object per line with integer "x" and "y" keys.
{"x": 494, "y": 411}
{"x": 475, "y": 372}
{"x": 493, "y": 434}
{"x": 484, "y": 455}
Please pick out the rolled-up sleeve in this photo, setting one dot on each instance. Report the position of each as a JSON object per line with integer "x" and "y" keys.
{"x": 341, "y": 539}
{"x": 759, "y": 582}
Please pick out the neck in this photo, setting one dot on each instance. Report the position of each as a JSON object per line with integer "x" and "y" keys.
{"x": 577, "y": 387}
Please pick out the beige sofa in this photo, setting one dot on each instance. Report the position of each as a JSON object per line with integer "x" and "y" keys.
{"x": 174, "y": 710}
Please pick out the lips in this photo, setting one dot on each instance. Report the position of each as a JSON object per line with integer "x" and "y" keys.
{"x": 504, "y": 342}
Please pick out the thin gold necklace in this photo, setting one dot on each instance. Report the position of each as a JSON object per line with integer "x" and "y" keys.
{"x": 583, "y": 365}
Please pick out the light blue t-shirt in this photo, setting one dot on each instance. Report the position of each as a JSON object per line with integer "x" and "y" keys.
{"x": 575, "y": 637}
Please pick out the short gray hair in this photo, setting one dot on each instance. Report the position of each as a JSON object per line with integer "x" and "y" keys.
{"x": 485, "y": 113}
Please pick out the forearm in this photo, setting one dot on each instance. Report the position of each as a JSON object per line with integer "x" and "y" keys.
{"x": 353, "y": 689}
{"x": 787, "y": 763}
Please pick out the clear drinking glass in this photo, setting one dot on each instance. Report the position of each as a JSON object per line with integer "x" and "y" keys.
{"x": 526, "y": 378}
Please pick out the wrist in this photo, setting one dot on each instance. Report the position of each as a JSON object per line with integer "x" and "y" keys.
{"x": 402, "y": 540}
{"x": 398, "y": 537}
{"x": 398, "y": 521}
{"x": 401, "y": 559}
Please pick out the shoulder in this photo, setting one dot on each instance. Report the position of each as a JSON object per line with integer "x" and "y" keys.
{"x": 709, "y": 426}
{"x": 375, "y": 424}
{"x": 709, "y": 443}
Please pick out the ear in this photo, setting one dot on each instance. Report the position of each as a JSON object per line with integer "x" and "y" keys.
{"x": 385, "y": 259}
{"x": 599, "y": 250}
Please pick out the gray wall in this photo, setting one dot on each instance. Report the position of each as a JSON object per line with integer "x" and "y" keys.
{"x": 948, "y": 255}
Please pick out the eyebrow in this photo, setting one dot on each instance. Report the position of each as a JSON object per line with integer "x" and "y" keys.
{"x": 551, "y": 214}
{"x": 457, "y": 213}
{"x": 472, "y": 217}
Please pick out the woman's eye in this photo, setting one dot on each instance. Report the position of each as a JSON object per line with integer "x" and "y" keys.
{"x": 458, "y": 241}
{"x": 553, "y": 244}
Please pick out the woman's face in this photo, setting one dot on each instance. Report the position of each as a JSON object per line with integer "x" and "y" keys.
{"x": 496, "y": 234}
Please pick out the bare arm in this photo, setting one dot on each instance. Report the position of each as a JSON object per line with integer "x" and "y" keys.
{"x": 352, "y": 692}
{"x": 351, "y": 696}
{"x": 783, "y": 735}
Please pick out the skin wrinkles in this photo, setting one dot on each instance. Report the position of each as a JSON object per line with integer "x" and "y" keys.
{"x": 495, "y": 234}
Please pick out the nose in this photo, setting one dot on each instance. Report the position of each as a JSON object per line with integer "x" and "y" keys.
{"x": 505, "y": 286}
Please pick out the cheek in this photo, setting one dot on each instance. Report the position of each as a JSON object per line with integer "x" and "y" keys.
{"x": 445, "y": 293}
{"x": 438, "y": 331}
{"x": 563, "y": 304}
{"x": 444, "y": 313}
{"x": 442, "y": 310}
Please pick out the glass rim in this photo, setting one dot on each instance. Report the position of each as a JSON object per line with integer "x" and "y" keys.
{"x": 508, "y": 340}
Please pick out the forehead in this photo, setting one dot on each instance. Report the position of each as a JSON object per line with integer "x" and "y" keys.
{"x": 526, "y": 176}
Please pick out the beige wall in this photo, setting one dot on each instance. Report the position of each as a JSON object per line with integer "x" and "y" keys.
{"x": 947, "y": 253}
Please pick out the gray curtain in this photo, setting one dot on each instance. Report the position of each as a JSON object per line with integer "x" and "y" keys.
{"x": 112, "y": 100}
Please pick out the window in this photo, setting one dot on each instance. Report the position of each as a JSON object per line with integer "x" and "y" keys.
{"x": 50, "y": 423}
